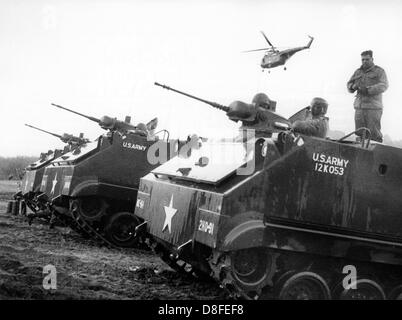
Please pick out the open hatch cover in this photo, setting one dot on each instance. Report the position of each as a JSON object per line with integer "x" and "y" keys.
{"x": 210, "y": 164}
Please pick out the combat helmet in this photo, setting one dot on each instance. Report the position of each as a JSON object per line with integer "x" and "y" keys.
{"x": 141, "y": 129}
{"x": 262, "y": 100}
{"x": 319, "y": 106}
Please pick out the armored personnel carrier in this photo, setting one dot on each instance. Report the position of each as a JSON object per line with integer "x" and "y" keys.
{"x": 97, "y": 183}
{"x": 29, "y": 193}
{"x": 315, "y": 218}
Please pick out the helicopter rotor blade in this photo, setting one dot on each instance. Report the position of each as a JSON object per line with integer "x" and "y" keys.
{"x": 266, "y": 38}
{"x": 264, "y": 49}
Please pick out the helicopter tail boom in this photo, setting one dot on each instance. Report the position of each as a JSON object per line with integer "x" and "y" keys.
{"x": 310, "y": 42}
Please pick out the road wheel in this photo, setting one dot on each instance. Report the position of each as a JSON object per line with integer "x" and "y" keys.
{"x": 396, "y": 293}
{"x": 366, "y": 289}
{"x": 120, "y": 229}
{"x": 91, "y": 208}
{"x": 304, "y": 286}
{"x": 250, "y": 266}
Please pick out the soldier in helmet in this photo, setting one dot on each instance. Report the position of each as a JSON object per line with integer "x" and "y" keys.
{"x": 254, "y": 116}
{"x": 317, "y": 126}
{"x": 141, "y": 129}
{"x": 257, "y": 118}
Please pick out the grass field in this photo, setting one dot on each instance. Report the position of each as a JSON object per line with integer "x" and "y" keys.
{"x": 85, "y": 270}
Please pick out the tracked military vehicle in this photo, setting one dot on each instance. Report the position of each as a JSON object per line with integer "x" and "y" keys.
{"x": 29, "y": 193}
{"x": 97, "y": 183}
{"x": 315, "y": 219}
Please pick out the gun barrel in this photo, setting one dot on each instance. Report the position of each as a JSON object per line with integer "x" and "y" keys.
{"x": 213, "y": 104}
{"x": 66, "y": 138}
{"x": 80, "y": 114}
{"x": 53, "y": 134}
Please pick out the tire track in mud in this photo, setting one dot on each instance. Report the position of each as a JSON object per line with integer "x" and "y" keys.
{"x": 85, "y": 270}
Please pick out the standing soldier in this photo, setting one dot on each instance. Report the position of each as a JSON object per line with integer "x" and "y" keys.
{"x": 370, "y": 81}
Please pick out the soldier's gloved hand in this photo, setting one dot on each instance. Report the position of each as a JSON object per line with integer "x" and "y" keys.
{"x": 363, "y": 90}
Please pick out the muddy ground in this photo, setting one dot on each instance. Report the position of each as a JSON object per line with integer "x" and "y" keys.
{"x": 84, "y": 269}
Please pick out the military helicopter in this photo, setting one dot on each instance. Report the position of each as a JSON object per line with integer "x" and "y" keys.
{"x": 274, "y": 57}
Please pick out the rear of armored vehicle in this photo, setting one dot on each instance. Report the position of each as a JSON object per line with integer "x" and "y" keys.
{"x": 34, "y": 173}
{"x": 28, "y": 181}
{"x": 58, "y": 175}
{"x": 56, "y": 184}
{"x": 97, "y": 184}
{"x": 31, "y": 182}
{"x": 181, "y": 201}
{"x": 28, "y": 189}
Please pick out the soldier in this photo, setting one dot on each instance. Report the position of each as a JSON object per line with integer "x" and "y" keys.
{"x": 141, "y": 129}
{"x": 253, "y": 116}
{"x": 370, "y": 81}
{"x": 316, "y": 126}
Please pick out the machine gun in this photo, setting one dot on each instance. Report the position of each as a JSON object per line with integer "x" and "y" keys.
{"x": 106, "y": 122}
{"x": 244, "y": 112}
{"x": 66, "y": 138}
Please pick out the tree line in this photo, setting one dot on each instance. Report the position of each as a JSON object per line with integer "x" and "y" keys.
{"x": 13, "y": 167}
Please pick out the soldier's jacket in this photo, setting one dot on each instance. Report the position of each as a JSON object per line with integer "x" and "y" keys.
{"x": 317, "y": 127}
{"x": 376, "y": 82}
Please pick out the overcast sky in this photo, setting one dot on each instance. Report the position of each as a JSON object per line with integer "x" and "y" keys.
{"x": 102, "y": 58}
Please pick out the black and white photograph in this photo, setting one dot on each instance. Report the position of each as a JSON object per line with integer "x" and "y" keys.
{"x": 213, "y": 151}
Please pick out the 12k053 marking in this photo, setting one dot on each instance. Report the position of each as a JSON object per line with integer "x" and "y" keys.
{"x": 329, "y": 164}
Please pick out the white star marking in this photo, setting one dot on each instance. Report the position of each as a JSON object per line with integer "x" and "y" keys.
{"x": 54, "y": 182}
{"x": 170, "y": 212}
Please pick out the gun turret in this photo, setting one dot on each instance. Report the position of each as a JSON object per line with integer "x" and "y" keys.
{"x": 66, "y": 138}
{"x": 105, "y": 122}
{"x": 70, "y": 139}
